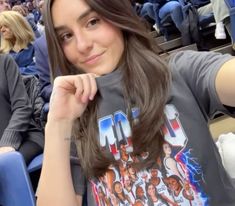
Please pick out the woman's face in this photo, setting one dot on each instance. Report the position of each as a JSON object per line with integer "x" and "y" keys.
{"x": 127, "y": 181}
{"x": 151, "y": 190}
{"x": 4, "y": 5}
{"x": 6, "y": 32}
{"x": 118, "y": 188}
{"x": 88, "y": 41}
{"x": 139, "y": 192}
{"x": 166, "y": 148}
{"x": 173, "y": 184}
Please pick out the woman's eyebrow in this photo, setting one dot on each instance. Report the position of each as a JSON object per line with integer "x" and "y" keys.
{"x": 84, "y": 14}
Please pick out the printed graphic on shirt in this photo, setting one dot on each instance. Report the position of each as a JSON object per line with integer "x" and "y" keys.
{"x": 176, "y": 180}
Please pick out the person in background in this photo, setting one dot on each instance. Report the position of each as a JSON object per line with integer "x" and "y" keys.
{"x": 220, "y": 11}
{"x": 16, "y": 39}
{"x": 4, "y": 5}
{"x": 42, "y": 64}
{"x": 17, "y": 131}
{"x": 115, "y": 89}
{"x": 160, "y": 10}
{"x": 40, "y": 23}
{"x": 23, "y": 12}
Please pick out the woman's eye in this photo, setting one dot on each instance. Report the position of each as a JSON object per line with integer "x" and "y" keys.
{"x": 93, "y": 22}
{"x": 65, "y": 37}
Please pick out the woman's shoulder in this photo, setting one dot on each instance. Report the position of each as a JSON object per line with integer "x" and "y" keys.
{"x": 195, "y": 60}
{"x": 5, "y": 58}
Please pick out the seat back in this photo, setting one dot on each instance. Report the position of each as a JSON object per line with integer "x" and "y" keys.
{"x": 15, "y": 185}
{"x": 35, "y": 164}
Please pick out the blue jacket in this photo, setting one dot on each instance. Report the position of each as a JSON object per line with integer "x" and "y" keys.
{"x": 25, "y": 60}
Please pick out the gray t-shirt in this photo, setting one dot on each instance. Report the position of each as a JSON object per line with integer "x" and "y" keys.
{"x": 190, "y": 171}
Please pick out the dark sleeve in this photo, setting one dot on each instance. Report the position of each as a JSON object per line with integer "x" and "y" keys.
{"x": 20, "y": 104}
{"x": 199, "y": 70}
{"x": 41, "y": 58}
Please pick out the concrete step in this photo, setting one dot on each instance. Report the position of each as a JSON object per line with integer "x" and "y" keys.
{"x": 170, "y": 45}
{"x": 225, "y": 49}
{"x": 188, "y": 47}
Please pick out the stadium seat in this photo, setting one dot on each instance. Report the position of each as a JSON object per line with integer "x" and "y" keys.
{"x": 15, "y": 185}
{"x": 35, "y": 164}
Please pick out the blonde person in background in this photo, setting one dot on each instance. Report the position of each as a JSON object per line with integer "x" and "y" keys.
{"x": 17, "y": 37}
{"x": 24, "y": 12}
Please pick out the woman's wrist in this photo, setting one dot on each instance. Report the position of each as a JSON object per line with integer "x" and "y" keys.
{"x": 58, "y": 131}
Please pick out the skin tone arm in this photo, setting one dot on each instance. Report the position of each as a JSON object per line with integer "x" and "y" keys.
{"x": 6, "y": 149}
{"x": 69, "y": 100}
{"x": 225, "y": 83}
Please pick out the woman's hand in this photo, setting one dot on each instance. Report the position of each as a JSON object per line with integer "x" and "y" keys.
{"x": 6, "y": 149}
{"x": 70, "y": 96}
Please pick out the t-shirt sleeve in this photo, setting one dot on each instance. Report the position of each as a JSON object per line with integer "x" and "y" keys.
{"x": 198, "y": 70}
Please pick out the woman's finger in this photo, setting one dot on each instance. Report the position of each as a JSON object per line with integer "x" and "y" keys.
{"x": 93, "y": 89}
{"x": 78, "y": 86}
{"x": 86, "y": 88}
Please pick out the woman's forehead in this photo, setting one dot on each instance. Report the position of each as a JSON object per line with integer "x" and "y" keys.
{"x": 62, "y": 11}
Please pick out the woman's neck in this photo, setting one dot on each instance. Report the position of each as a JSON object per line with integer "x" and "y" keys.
{"x": 16, "y": 48}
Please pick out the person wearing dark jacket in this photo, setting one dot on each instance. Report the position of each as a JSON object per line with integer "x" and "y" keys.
{"x": 17, "y": 131}
{"x": 41, "y": 58}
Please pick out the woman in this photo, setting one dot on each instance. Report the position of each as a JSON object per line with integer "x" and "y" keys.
{"x": 154, "y": 199}
{"x": 170, "y": 164}
{"x": 122, "y": 198}
{"x": 182, "y": 195}
{"x": 16, "y": 39}
{"x": 111, "y": 74}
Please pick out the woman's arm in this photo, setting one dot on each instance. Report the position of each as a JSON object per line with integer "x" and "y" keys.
{"x": 69, "y": 100}
{"x": 225, "y": 83}
{"x": 56, "y": 186}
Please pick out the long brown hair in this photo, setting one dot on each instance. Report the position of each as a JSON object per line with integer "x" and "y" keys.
{"x": 146, "y": 79}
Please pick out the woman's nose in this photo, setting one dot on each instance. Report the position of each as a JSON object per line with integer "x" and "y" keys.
{"x": 83, "y": 41}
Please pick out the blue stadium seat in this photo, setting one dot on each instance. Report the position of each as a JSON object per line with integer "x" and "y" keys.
{"x": 36, "y": 163}
{"x": 15, "y": 185}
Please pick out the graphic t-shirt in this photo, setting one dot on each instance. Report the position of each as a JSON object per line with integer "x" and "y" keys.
{"x": 189, "y": 172}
